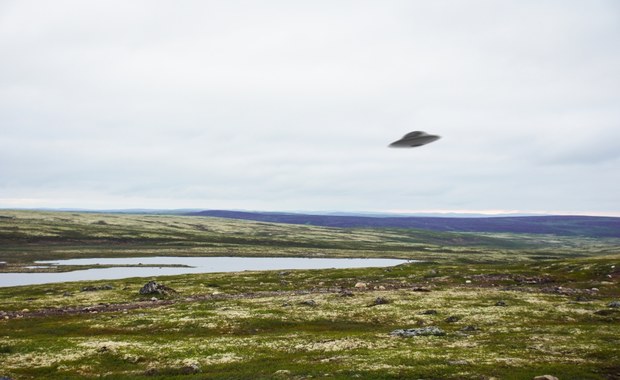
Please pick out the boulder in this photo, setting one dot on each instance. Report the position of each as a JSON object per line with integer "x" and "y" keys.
{"x": 422, "y": 331}
{"x": 189, "y": 369}
{"x": 97, "y": 288}
{"x": 380, "y": 301}
{"x": 420, "y": 289}
{"x": 153, "y": 287}
{"x": 615, "y": 304}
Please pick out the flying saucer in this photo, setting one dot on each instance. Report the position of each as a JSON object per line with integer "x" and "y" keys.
{"x": 413, "y": 139}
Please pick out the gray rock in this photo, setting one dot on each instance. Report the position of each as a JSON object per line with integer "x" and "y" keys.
{"x": 615, "y": 304}
{"x": 546, "y": 377}
{"x": 346, "y": 293}
{"x": 458, "y": 362}
{"x": 380, "y": 301}
{"x": 153, "y": 287}
{"x": 97, "y": 288}
{"x": 310, "y": 303}
{"x": 501, "y": 303}
{"x": 422, "y": 331}
{"x": 420, "y": 289}
{"x": 190, "y": 369}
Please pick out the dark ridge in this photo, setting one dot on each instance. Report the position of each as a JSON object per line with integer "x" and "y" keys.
{"x": 589, "y": 226}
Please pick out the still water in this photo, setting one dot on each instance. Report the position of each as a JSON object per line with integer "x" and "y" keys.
{"x": 193, "y": 265}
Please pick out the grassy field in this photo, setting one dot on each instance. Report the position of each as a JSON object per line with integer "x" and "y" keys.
{"x": 510, "y": 306}
{"x": 26, "y": 236}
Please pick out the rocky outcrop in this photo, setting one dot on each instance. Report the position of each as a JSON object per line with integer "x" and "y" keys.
{"x": 97, "y": 288}
{"x": 153, "y": 287}
{"x": 422, "y": 331}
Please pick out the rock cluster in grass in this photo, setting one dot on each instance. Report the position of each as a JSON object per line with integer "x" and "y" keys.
{"x": 153, "y": 287}
{"x": 380, "y": 301}
{"x": 422, "y": 289}
{"x": 96, "y": 288}
{"x": 190, "y": 369}
{"x": 422, "y": 331}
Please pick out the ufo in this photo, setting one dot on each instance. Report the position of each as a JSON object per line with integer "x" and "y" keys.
{"x": 414, "y": 139}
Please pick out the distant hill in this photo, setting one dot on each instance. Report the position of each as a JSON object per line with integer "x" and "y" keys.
{"x": 590, "y": 226}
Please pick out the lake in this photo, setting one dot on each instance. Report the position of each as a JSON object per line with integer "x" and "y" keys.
{"x": 192, "y": 265}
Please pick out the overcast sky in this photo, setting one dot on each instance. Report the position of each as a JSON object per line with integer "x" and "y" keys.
{"x": 290, "y": 105}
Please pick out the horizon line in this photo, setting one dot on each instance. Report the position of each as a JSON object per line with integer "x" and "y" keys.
{"x": 483, "y": 212}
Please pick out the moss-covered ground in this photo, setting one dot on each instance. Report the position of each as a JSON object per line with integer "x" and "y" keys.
{"x": 512, "y": 307}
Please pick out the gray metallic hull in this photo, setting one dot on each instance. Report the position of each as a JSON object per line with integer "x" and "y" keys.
{"x": 414, "y": 139}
